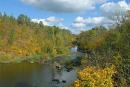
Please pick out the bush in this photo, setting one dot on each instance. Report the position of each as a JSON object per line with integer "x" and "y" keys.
{"x": 95, "y": 77}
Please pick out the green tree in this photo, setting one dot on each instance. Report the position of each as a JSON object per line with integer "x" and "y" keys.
{"x": 23, "y": 19}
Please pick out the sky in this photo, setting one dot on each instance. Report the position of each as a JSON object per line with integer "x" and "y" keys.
{"x": 74, "y": 15}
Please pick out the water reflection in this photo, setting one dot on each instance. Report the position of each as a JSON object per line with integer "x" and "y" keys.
{"x": 32, "y": 75}
{"x": 23, "y": 84}
{"x": 74, "y": 50}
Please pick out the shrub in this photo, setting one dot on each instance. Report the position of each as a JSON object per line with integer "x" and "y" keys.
{"x": 95, "y": 77}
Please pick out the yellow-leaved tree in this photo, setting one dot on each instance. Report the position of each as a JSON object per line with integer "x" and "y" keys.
{"x": 95, "y": 77}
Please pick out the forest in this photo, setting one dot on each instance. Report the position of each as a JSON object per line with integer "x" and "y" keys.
{"x": 21, "y": 39}
{"x": 106, "y": 62}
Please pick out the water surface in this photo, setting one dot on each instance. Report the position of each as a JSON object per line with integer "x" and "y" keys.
{"x": 35, "y": 75}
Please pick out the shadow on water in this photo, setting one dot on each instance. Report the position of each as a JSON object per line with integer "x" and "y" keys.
{"x": 23, "y": 84}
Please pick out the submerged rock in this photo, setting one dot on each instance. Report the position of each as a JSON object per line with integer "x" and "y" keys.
{"x": 64, "y": 81}
{"x": 56, "y": 80}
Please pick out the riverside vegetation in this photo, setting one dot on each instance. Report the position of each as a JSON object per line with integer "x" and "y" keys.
{"x": 107, "y": 56}
{"x": 106, "y": 62}
{"x": 21, "y": 39}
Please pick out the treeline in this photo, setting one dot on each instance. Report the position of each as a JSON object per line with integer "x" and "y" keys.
{"x": 21, "y": 39}
{"x": 107, "y": 56}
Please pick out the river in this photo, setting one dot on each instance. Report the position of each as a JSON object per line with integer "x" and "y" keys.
{"x": 36, "y": 75}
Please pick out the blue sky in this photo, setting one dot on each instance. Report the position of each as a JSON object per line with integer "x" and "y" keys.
{"x": 78, "y": 15}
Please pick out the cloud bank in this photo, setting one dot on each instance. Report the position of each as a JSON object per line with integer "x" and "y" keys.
{"x": 49, "y": 21}
{"x": 106, "y": 8}
{"x": 64, "y": 5}
{"x": 112, "y": 8}
{"x": 81, "y": 24}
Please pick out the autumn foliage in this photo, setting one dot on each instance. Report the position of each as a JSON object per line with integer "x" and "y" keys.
{"x": 21, "y": 39}
{"x": 95, "y": 77}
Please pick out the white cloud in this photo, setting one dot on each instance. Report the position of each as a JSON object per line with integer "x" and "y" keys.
{"x": 64, "y": 5}
{"x": 49, "y": 21}
{"x": 62, "y": 26}
{"x": 82, "y": 24}
{"x": 40, "y": 20}
{"x": 79, "y": 20}
{"x": 98, "y": 21}
{"x": 54, "y": 19}
{"x": 112, "y": 8}
{"x": 79, "y": 25}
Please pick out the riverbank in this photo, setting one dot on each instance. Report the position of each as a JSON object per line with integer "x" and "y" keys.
{"x": 29, "y": 59}
{"x": 39, "y": 58}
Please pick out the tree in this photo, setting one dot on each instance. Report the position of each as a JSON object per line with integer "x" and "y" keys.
{"x": 23, "y": 19}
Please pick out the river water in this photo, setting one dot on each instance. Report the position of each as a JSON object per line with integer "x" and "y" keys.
{"x": 35, "y": 75}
